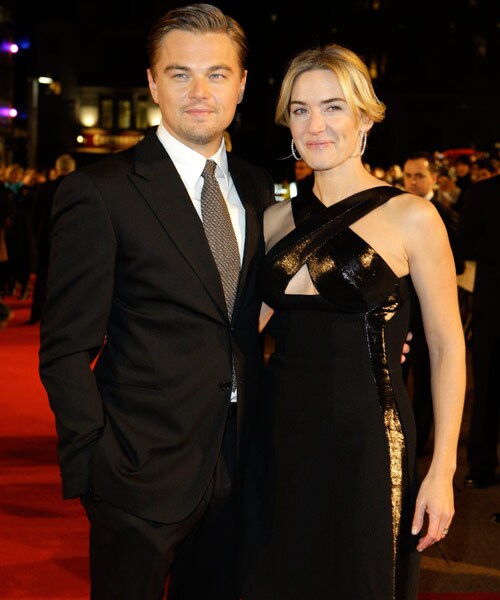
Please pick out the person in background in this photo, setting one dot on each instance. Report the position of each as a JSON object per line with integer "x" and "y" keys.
{"x": 13, "y": 183}
{"x": 447, "y": 191}
{"x": 5, "y": 223}
{"x": 395, "y": 176}
{"x": 485, "y": 170}
{"x": 463, "y": 177}
{"x": 420, "y": 174}
{"x": 478, "y": 240}
{"x": 42, "y": 210}
{"x": 334, "y": 505}
{"x": 5, "y": 311}
{"x": 304, "y": 178}
{"x": 150, "y": 437}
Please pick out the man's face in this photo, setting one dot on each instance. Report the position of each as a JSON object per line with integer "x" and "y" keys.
{"x": 302, "y": 170}
{"x": 418, "y": 179}
{"x": 197, "y": 82}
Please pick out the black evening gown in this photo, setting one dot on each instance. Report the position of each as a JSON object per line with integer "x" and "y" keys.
{"x": 331, "y": 492}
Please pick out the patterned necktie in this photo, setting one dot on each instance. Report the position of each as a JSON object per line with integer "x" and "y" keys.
{"x": 220, "y": 234}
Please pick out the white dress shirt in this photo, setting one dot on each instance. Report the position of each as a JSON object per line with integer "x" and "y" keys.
{"x": 190, "y": 164}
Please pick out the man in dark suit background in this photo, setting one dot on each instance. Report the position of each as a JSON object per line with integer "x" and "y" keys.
{"x": 147, "y": 438}
{"x": 478, "y": 235}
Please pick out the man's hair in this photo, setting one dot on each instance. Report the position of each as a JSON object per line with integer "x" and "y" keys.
{"x": 197, "y": 18}
{"x": 433, "y": 166}
{"x": 65, "y": 164}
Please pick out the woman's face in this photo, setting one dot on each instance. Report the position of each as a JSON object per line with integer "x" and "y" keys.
{"x": 322, "y": 124}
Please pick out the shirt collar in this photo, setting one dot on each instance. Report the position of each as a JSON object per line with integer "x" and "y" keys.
{"x": 187, "y": 161}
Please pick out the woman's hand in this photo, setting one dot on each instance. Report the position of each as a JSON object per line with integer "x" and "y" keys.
{"x": 435, "y": 499}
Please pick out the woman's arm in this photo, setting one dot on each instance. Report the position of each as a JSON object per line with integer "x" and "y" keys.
{"x": 433, "y": 274}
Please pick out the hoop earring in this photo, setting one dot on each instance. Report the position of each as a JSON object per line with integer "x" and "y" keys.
{"x": 294, "y": 151}
{"x": 363, "y": 136}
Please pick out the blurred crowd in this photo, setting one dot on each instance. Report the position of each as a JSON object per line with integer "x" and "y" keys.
{"x": 455, "y": 173}
{"x": 25, "y": 206}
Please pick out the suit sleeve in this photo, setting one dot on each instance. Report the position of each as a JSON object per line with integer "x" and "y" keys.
{"x": 73, "y": 328}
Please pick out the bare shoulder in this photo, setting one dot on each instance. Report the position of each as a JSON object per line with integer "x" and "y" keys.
{"x": 278, "y": 221}
{"x": 277, "y": 208}
{"x": 275, "y": 214}
{"x": 413, "y": 212}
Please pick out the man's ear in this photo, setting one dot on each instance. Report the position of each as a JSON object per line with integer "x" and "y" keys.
{"x": 152, "y": 85}
{"x": 242, "y": 86}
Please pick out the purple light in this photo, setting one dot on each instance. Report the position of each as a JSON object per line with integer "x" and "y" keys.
{"x": 7, "y": 111}
{"x": 11, "y": 47}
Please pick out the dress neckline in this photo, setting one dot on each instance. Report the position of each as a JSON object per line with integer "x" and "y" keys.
{"x": 307, "y": 204}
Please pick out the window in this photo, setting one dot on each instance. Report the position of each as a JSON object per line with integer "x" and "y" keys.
{"x": 124, "y": 114}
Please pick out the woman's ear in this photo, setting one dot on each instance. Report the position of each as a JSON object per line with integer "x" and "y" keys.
{"x": 365, "y": 122}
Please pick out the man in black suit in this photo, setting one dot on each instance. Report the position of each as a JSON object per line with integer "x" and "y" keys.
{"x": 148, "y": 436}
{"x": 419, "y": 177}
{"x": 478, "y": 235}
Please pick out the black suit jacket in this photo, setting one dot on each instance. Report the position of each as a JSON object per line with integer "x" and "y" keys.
{"x": 478, "y": 235}
{"x": 133, "y": 286}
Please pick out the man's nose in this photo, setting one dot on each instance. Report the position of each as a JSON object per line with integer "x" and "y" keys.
{"x": 199, "y": 87}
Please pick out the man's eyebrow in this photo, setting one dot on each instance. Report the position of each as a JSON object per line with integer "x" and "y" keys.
{"x": 176, "y": 67}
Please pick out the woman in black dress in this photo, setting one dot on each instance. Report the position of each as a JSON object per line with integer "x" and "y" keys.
{"x": 335, "y": 510}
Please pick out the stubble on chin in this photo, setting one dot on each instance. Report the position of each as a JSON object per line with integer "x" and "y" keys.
{"x": 202, "y": 134}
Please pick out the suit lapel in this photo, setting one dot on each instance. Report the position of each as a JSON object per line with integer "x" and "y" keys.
{"x": 158, "y": 182}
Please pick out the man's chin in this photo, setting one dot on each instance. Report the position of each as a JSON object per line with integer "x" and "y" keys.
{"x": 202, "y": 137}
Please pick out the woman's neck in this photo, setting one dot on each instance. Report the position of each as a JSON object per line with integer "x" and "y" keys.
{"x": 334, "y": 185}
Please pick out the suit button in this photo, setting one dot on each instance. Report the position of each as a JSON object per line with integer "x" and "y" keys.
{"x": 225, "y": 386}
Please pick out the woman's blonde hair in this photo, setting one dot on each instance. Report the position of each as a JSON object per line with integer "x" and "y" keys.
{"x": 351, "y": 71}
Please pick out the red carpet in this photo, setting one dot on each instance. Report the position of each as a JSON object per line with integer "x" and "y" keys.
{"x": 43, "y": 540}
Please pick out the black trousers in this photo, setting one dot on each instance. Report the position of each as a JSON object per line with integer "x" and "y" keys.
{"x": 133, "y": 558}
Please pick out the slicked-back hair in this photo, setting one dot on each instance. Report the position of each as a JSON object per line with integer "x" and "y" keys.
{"x": 197, "y": 18}
{"x": 351, "y": 72}
{"x": 421, "y": 154}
